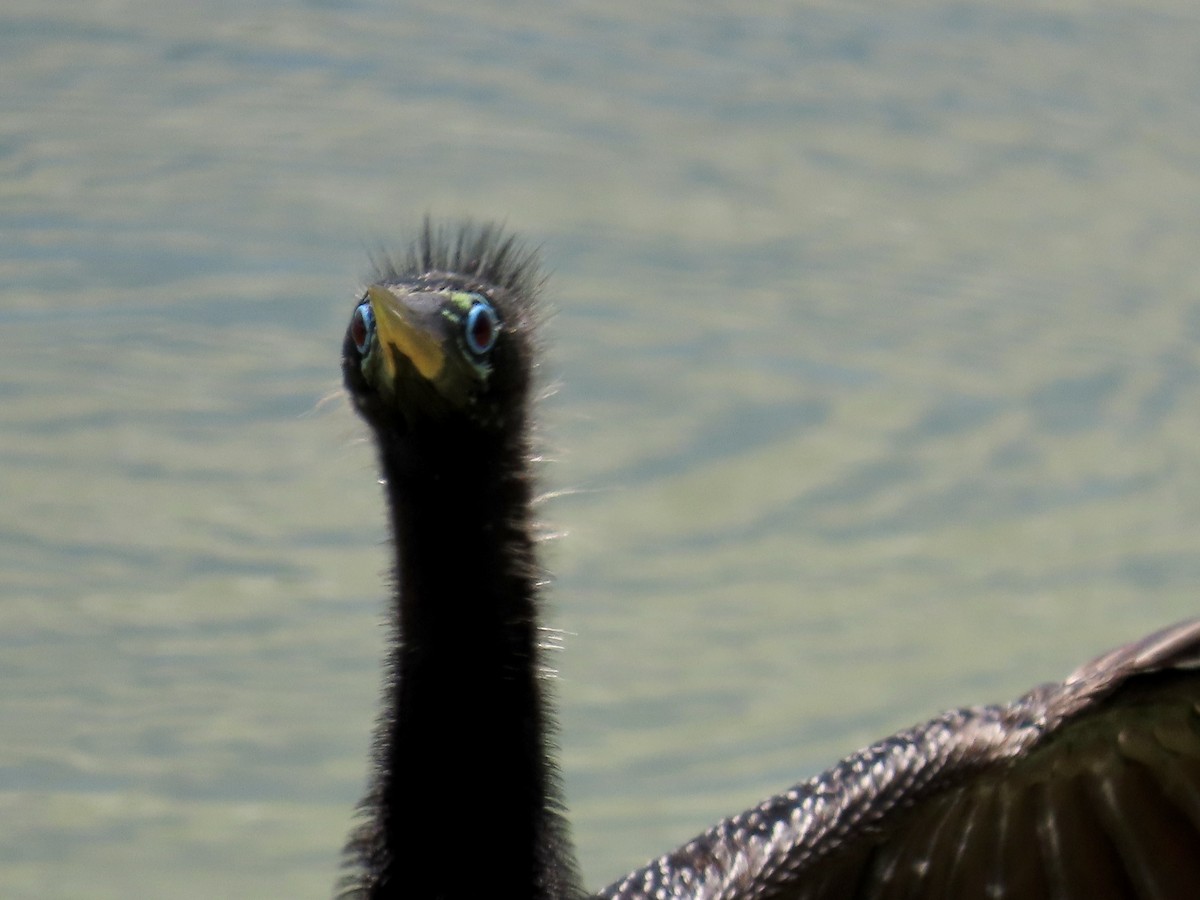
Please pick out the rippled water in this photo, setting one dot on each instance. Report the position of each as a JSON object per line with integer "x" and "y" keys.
{"x": 877, "y": 392}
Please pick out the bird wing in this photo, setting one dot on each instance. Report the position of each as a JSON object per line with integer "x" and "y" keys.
{"x": 1089, "y": 788}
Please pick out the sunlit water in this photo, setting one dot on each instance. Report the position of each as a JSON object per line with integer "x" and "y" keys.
{"x": 877, "y": 392}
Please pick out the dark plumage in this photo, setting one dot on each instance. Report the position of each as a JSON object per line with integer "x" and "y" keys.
{"x": 1089, "y": 788}
{"x": 466, "y": 801}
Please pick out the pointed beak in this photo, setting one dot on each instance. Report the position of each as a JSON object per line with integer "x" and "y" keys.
{"x": 408, "y": 324}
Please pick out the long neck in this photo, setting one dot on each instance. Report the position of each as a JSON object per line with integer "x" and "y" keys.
{"x": 467, "y": 802}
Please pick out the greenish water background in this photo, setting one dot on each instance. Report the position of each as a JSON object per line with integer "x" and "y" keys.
{"x": 876, "y": 367}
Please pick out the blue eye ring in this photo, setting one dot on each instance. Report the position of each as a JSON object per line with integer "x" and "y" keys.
{"x": 481, "y": 328}
{"x": 362, "y": 327}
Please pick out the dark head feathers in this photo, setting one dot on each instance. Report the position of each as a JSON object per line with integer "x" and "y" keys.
{"x": 466, "y": 256}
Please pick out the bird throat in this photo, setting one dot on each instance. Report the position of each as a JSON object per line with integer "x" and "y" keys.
{"x": 467, "y": 723}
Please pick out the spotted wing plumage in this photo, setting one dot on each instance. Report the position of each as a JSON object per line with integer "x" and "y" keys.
{"x": 1089, "y": 789}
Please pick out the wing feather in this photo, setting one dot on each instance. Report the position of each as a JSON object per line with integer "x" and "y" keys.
{"x": 1083, "y": 790}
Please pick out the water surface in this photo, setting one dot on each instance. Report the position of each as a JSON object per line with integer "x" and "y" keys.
{"x": 876, "y": 367}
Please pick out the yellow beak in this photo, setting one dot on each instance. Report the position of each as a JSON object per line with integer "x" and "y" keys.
{"x": 400, "y": 331}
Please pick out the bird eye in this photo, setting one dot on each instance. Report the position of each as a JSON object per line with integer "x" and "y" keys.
{"x": 362, "y": 326}
{"x": 482, "y": 328}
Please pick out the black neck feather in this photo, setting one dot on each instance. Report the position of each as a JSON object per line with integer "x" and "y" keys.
{"x": 466, "y": 803}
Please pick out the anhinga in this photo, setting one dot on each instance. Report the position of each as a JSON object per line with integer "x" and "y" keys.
{"x": 1089, "y": 788}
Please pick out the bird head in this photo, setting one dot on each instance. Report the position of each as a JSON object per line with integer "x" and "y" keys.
{"x": 446, "y": 345}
